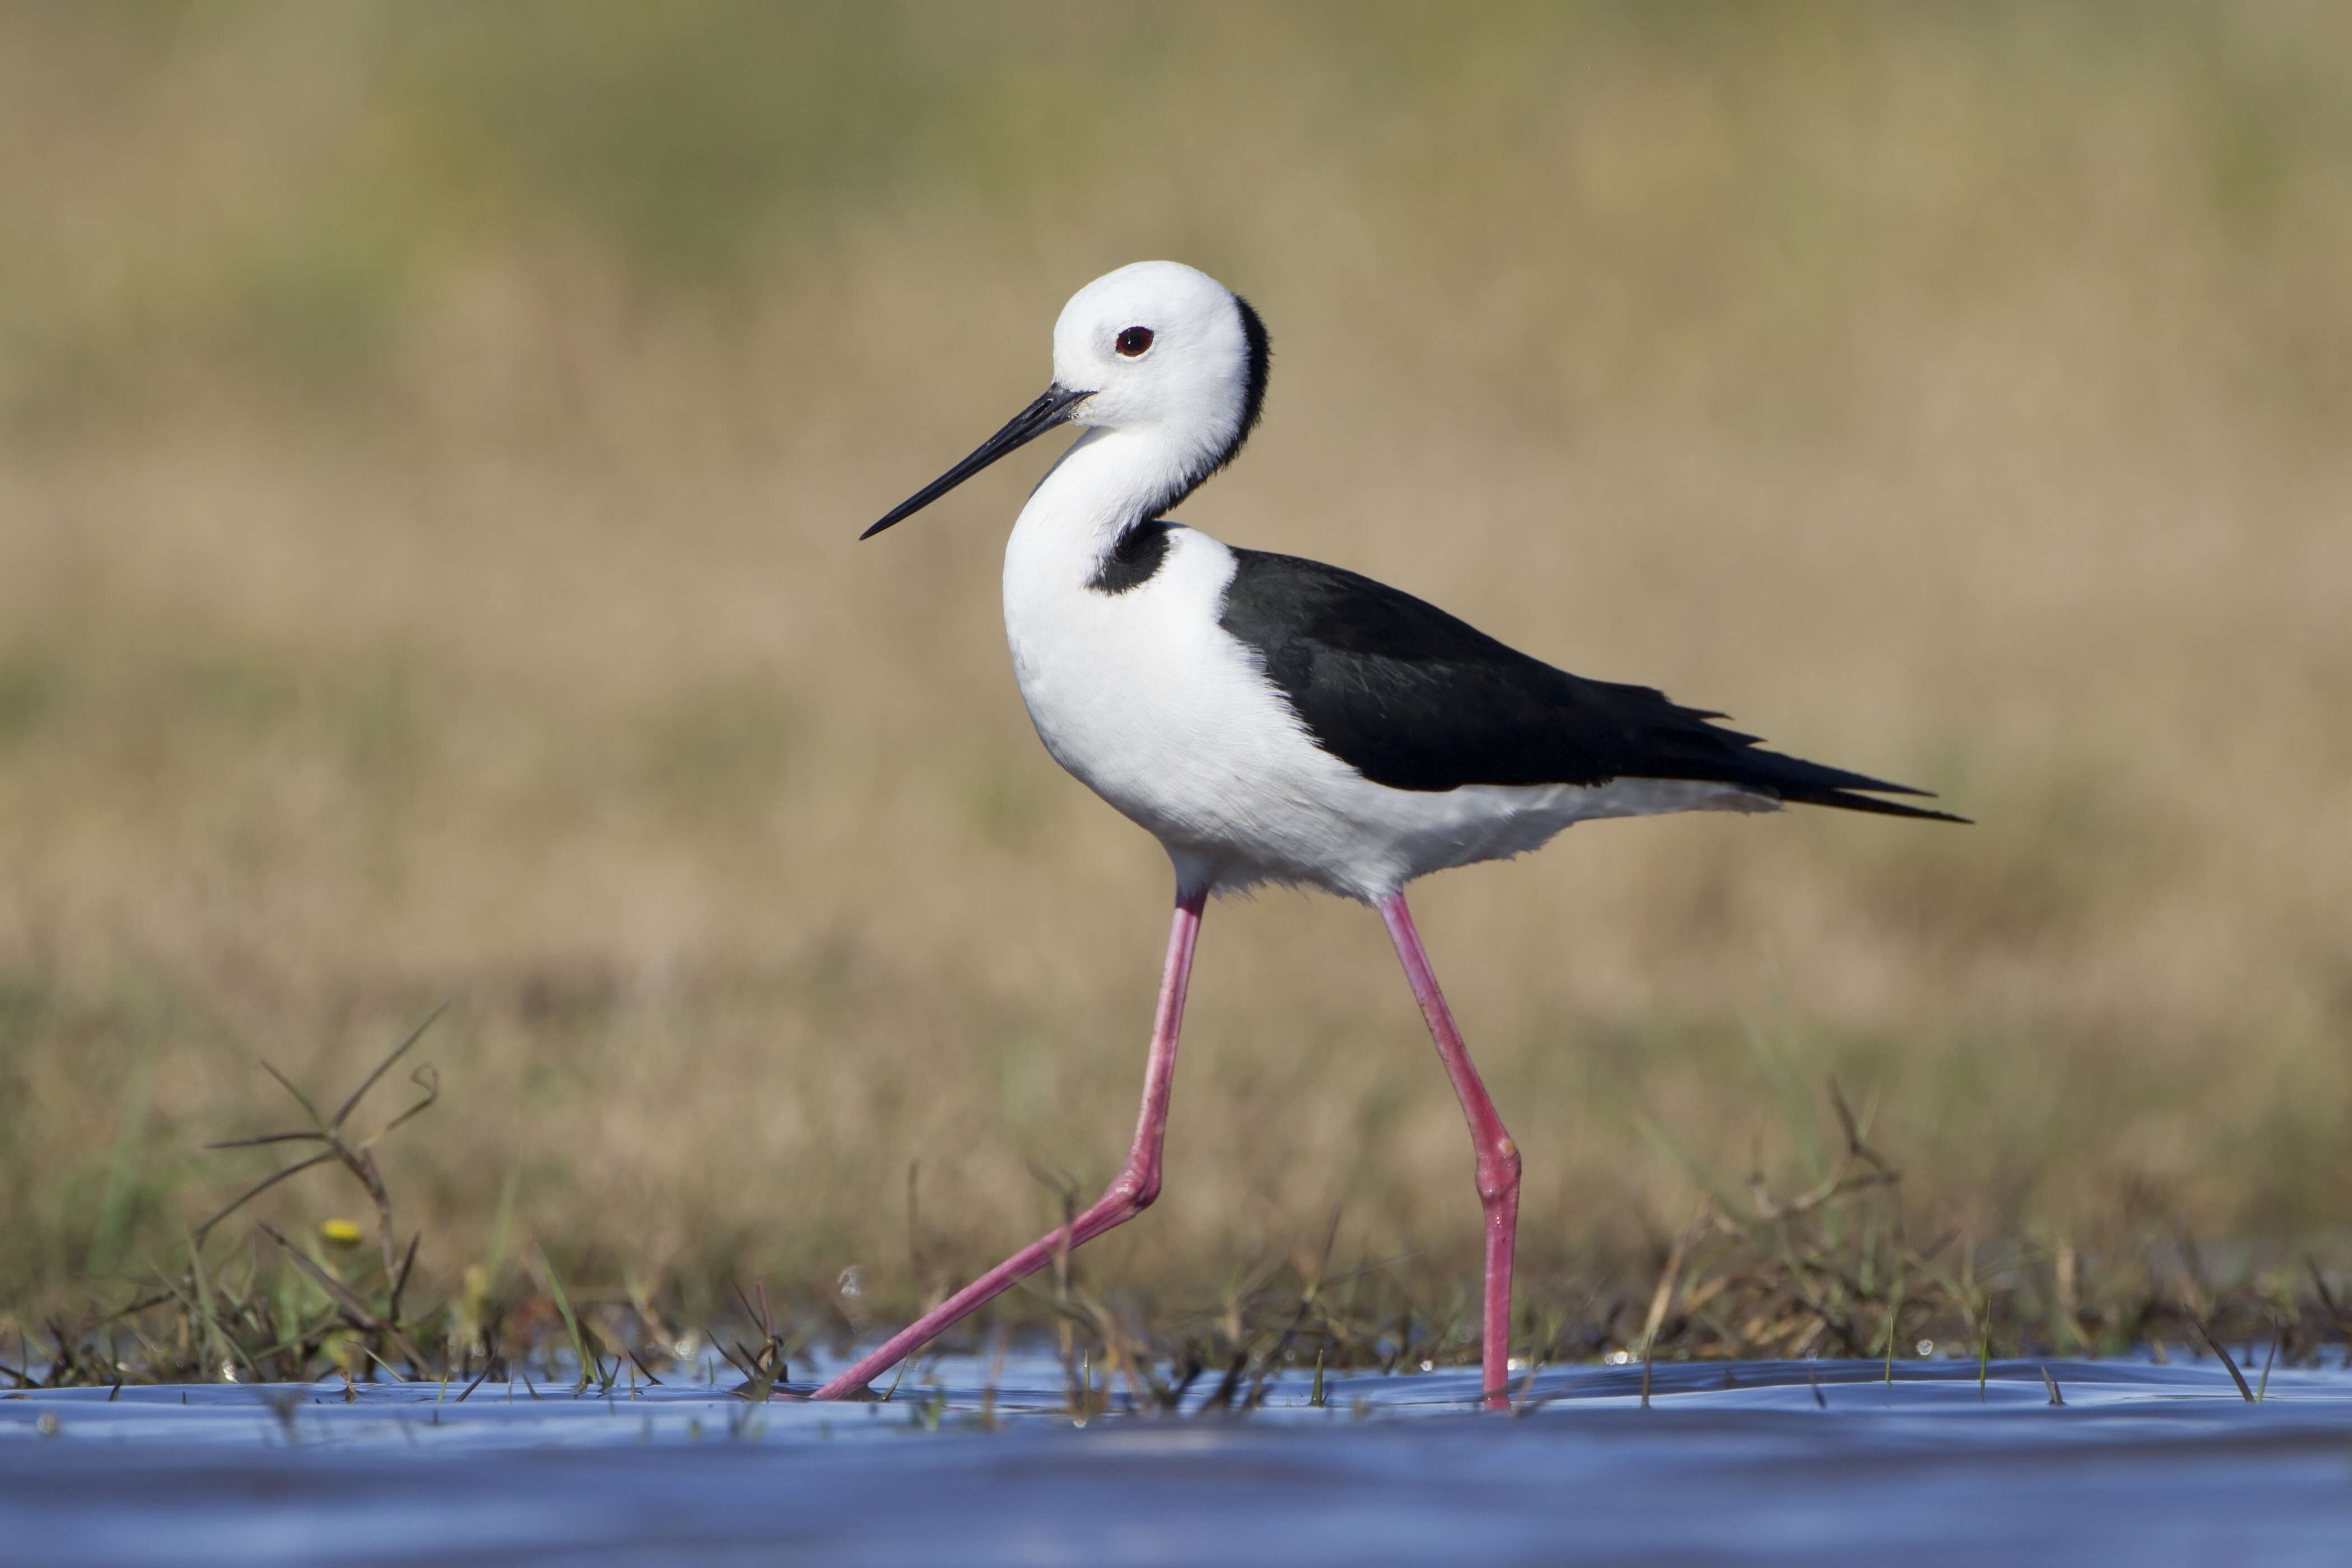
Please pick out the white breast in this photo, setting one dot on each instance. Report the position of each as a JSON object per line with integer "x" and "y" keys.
{"x": 1154, "y": 705}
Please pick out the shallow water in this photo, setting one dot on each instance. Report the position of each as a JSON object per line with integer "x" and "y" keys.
{"x": 1755, "y": 1462}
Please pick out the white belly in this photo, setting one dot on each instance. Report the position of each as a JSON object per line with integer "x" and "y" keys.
{"x": 1166, "y": 715}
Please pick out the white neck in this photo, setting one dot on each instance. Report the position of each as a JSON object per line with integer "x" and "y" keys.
{"x": 1108, "y": 481}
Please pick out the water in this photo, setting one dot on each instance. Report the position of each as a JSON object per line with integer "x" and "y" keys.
{"x": 2143, "y": 1463}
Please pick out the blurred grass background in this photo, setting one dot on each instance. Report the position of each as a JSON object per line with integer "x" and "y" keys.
{"x": 433, "y": 438}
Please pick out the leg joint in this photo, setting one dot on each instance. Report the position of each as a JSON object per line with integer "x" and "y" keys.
{"x": 1498, "y": 1171}
{"x": 1134, "y": 1190}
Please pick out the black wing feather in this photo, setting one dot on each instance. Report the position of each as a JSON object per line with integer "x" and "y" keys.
{"x": 1415, "y": 699}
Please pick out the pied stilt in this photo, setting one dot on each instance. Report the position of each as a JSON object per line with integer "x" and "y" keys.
{"x": 1274, "y": 720}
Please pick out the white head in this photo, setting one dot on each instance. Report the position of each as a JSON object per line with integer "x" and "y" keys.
{"x": 1156, "y": 347}
{"x": 1162, "y": 345}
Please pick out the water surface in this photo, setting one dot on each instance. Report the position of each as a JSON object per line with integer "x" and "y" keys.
{"x": 1756, "y": 1462}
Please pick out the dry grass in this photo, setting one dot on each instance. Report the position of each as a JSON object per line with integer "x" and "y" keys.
{"x": 431, "y": 449}
{"x": 1835, "y": 1269}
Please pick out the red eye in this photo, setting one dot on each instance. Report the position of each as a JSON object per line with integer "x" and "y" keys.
{"x": 1134, "y": 340}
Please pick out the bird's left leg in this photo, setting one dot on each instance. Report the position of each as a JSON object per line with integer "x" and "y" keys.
{"x": 1129, "y": 1195}
{"x": 1498, "y": 1157}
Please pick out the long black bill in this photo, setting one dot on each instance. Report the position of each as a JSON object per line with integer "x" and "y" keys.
{"x": 1025, "y": 427}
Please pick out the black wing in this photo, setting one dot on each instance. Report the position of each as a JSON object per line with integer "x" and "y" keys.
{"x": 1412, "y": 698}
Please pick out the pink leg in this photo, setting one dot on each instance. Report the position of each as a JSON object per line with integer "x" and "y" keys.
{"x": 1498, "y": 1157}
{"x": 1130, "y": 1194}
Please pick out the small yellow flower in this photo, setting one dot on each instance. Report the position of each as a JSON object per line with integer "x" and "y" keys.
{"x": 339, "y": 1233}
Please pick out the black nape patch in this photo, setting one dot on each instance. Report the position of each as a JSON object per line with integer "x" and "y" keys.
{"x": 1133, "y": 559}
{"x": 1261, "y": 364}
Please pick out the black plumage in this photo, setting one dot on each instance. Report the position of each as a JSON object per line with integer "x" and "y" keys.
{"x": 1415, "y": 699}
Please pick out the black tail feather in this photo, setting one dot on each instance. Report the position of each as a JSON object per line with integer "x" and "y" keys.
{"x": 1803, "y": 783}
{"x": 1732, "y": 758}
{"x": 1847, "y": 800}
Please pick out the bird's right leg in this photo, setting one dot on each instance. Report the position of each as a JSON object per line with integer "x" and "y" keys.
{"x": 1498, "y": 1157}
{"x": 1129, "y": 1195}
